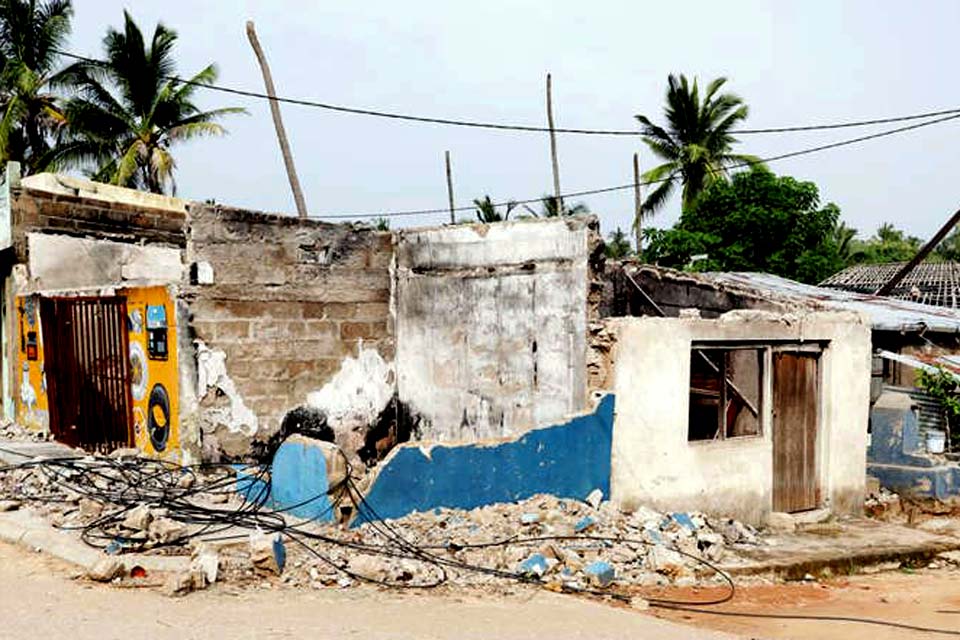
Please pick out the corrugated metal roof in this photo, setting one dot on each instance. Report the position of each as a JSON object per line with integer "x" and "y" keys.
{"x": 934, "y": 283}
{"x": 886, "y": 314}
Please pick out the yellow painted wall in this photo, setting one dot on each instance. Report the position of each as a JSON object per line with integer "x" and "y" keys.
{"x": 157, "y": 372}
{"x": 31, "y": 386}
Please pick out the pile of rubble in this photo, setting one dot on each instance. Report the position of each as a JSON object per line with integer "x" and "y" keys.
{"x": 566, "y": 543}
{"x": 15, "y": 432}
{"x": 883, "y": 504}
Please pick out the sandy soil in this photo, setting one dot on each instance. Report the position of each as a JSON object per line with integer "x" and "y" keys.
{"x": 926, "y": 598}
{"x": 42, "y": 598}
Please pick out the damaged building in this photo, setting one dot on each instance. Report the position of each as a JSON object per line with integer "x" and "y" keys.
{"x": 461, "y": 365}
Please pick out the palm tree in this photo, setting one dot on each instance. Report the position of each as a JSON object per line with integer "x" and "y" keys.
{"x": 843, "y": 237}
{"x": 618, "y": 244}
{"x": 129, "y": 110}
{"x": 487, "y": 211}
{"x": 696, "y": 143}
{"x": 31, "y": 33}
{"x": 553, "y": 207}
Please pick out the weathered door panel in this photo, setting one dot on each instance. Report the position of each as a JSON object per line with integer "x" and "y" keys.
{"x": 795, "y": 425}
{"x": 87, "y": 370}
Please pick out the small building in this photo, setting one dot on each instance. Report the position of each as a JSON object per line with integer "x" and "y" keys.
{"x": 457, "y": 365}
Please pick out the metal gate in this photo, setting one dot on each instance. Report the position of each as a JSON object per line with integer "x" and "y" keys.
{"x": 87, "y": 370}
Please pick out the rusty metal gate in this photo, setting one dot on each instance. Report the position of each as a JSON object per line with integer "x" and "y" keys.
{"x": 87, "y": 370}
{"x": 795, "y": 419}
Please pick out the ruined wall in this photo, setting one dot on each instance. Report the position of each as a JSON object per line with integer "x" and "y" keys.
{"x": 652, "y": 461}
{"x": 492, "y": 323}
{"x": 283, "y": 302}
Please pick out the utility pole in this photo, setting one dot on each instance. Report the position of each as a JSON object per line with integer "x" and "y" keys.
{"x": 637, "y": 206}
{"x": 453, "y": 219}
{"x": 553, "y": 146}
{"x": 277, "y": 121}
{"x": 917, "y": 259}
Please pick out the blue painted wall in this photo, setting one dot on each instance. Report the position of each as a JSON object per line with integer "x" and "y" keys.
{"x": 567, "y": 460}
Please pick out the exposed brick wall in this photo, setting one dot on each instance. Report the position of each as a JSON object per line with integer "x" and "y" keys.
{"x": 45, "y": 212}
{"x": 290, "y": 299}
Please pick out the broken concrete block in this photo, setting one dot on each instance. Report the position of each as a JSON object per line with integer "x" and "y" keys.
{"x": 585, "y": 524}
{"x": 684, "y": 520}
{"x": 529, "y": 518}
{"x": 600, "y": 572}
{"x": 781, "y": 522}
{"x": 90, "y": 508}
{"x": 665, "y": 561}
{"x": 267, "y": 552}
{"x": 9, "y": 505}
{"x": 370, "y": 567}
{"x": 138, "y": 518}
{"x": 184, "y": 582}
{"x": 105, "y": 570}
{"x": 165, "y": 530}
{"x": 594, "y": 498}
{"x": 206, "y": 561}
{"x": 124, "y": 453}
{"x": 305, "y": 476}
{"x": 534, "y": 566}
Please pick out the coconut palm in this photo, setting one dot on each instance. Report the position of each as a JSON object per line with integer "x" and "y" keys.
{"x": 487, "y": 211}
{"x": 129, "y": 110}
{"x": 553, "y": 207}
{"x": 31, "y": 32}
{"x": 696, "y": 143}
{"x": 617, "y": 245}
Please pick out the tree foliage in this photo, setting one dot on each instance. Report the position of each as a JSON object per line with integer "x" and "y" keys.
{"x": 618, "y": 245}
{"x": 488, "y": 212}
{"x": 697, "y": 141}
{"x": 31, "y": 32}
{"x": 553, "y": 207}
{"x": 888, "y": 244}
{"x": 127, "y": 112}
{"x": 758, "y": 221}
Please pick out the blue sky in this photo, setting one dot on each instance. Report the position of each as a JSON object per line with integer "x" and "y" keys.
{"x": 794, "y": 63}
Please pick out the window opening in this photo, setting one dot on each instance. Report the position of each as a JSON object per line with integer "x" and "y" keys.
{"x": 725, "y": 393}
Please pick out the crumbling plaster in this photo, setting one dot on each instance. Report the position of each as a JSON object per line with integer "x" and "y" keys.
{"x": 654, "y": 464}
{"x": 491, "y": 325}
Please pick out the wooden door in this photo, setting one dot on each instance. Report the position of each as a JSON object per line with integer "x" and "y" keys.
{"x": 795, "y": 421}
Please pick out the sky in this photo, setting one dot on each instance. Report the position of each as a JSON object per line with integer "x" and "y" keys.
{"x": 794, "y": 63}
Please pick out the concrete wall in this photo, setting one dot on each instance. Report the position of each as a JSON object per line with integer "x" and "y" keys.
{"x": 289, "y": 300}
{"x": 654, "y": 464}
{"x": 491, "y": 325}
{"x": 568, "y": 460}
{"x": 58, "y": 262}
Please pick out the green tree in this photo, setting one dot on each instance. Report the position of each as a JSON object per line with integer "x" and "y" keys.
{"x": 696, "y": 143}
{"x": 949, "y": 248}
{"x": 618, "y": 244}
{"x": 128, "y": 111}
{"x": 888, "y": 244}
{"x": 844, "y": 238}
{"x": 31, "y": 32}
{"x": 552, "y": 207}
{"x": 487, "y": 211}
{"x": 758, "y": 221}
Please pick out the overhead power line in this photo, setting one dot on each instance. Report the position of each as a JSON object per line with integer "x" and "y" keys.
{"x": 622, "y": 187}
{"x": 499, "y": 126}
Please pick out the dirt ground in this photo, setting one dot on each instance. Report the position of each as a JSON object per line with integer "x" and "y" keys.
{"x": 928, "y": 598}
{"x": 42, "y": 598}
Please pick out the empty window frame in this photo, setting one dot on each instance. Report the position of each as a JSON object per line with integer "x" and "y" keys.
{"x": 726, "y": 392}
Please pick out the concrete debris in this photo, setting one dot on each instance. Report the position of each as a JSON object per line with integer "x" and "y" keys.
{"x": 90, "y": 509}
{"x": 883, "y": 504}
{"x": 105, "y": 570}
{"x": 600, "y": 572}
{"x": 184, "y": 582}
{"x": 207, "y": 561}
{"x": 165, "y": 531}
{"x": 124, "y": 453}
{"x": 14, "y": 431}
{"x": 267, "y": 553}
{"x": 780, "y": 522}
{"x": 595, "y": 498}
{"x": 138, "y": 518}
{"x": 9, "y": 505}
{"x": 534, "y": 566}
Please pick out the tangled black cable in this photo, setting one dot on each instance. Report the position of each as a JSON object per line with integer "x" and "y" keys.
{"x": 125, "y": 484}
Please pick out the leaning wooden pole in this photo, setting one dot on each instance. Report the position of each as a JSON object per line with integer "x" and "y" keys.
{"x": 637, "y": 206}
{"x": 917, "y": 259}
{"x": 453, "y": 219}
{"x": 277, "y": 121}
{"x": 553, "y": 146}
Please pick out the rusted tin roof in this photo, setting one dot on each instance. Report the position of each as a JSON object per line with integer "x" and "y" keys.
{"x": 886, "y": 314}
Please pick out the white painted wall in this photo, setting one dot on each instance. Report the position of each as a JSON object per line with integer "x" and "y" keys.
{"x": 491, "y": 326}
{"x": 654, "y": 464}
{"x": 59, "y": 262}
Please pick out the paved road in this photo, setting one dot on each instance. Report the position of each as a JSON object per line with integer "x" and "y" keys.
{"x": 38, "y": 599}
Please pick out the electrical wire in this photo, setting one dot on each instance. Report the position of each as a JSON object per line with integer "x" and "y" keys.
{"x": 130, "y": 482}
{"x": 478, "y": 124}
